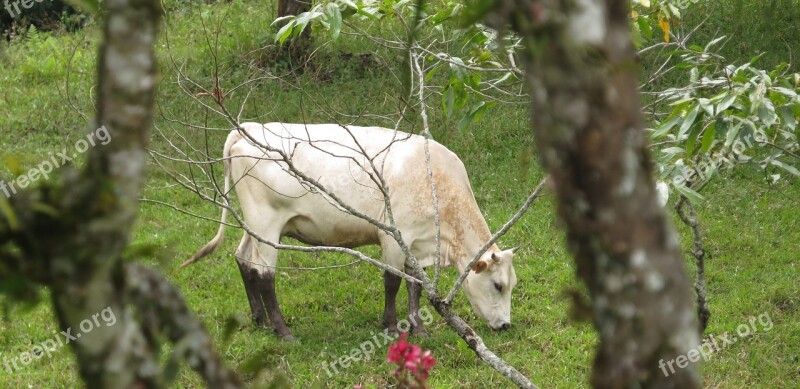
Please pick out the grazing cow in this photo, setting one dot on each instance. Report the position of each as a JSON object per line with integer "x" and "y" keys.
{"x": 275, "y": 203}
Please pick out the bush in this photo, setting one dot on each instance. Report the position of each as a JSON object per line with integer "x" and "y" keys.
{"x": 44, "y": 14}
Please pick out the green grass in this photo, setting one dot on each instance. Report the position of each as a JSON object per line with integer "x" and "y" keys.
{"x": 751, "y": 229}
{"x": 768, "y": 27}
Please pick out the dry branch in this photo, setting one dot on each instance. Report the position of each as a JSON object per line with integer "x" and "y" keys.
{"x": 691, "y": 220}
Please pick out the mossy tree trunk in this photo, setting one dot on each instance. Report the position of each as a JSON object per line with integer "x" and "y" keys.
{"x": 69, "y": 235}
{"x": 582, "y": 73}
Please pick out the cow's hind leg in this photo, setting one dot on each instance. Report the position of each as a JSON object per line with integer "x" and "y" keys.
{"x": 251, "y": 280}
{"x": 261, "y": 270}
{"x": 269, "y": 260}
{"x": 273, "y": 309}
{"x": 414, "y": 292}
{"x": 391, "y": 284}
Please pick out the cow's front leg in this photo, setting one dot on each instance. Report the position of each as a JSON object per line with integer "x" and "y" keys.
{"x": 267, "y": 289}
{"x": 391, "y": 284}
{"x": 414, "y": 292}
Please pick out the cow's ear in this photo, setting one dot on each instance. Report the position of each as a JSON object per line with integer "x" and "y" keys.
{"x": 495, "y": 258}
{"x": 480, "y": 266}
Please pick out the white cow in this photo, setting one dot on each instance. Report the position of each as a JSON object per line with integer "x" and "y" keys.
{"x": 276, "y": 204}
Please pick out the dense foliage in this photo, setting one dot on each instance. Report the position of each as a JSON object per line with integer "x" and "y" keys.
{"x": 42, "y": 15}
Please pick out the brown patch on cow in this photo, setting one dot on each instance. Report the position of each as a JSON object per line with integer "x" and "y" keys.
{"x": 458, "y": 213}
{"x": 480, "y": 266}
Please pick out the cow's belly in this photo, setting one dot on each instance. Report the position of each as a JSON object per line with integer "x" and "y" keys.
{"x": 328, "y": 226}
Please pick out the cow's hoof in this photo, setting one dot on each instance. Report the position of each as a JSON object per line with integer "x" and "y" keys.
{"x": 289, "y": 338}
{"x": 392, "y": 331}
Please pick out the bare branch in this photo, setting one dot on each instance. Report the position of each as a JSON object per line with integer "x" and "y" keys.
{"x": 699, "y": 253}
{"x": 426, "y": 132}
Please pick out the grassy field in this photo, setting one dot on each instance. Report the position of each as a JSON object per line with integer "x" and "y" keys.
{"x": 752, "y": 229}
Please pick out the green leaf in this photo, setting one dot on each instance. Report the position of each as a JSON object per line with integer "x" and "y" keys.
{"x": 675, "y": 11}
{"x": 689, "y": 193}
{"x": 785, "y": 91}
{"x": 733, "y": 133}
{"x": 448, "y": 100}
{"x": 691, "y": 141}
{"x": 706, "y": 105}
{"x": 644, "y": 27}
{"x": 726, "y": 102}
{"x": 464, "y": 122}
{"x": 787, "y": 118}
{"x": 666, "y": 126}
{"x": 688, "y": 121}
{"x": 787, "y": 167}
{"x": 334, "y": 19}
{"x": 708, "y": 137}
{"x": 713, "y": 42}
{"x": 8, "y": 214}
{"x": 443, "y": 14}
{"x": 284, "y": 33}
{"x": 474, "y": 114}
{"x": 481, "y": 108}
{"x": 282, "y": 18}
{"x": 767, "y": 115}
{"x": 46, "y": 209}
{"x": 433, "y": 71}
{"x": 673, "y": 150}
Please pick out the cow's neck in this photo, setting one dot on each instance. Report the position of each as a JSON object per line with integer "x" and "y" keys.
{"x": 461, "y": 244}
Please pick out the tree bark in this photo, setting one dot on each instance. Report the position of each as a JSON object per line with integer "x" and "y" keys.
{"x": 582, "y": 74}
{"x": 69, "y": 235}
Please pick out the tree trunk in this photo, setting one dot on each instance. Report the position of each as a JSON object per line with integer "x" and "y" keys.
{"x": 582, "y": 74}
{"x": 69, "y": 235}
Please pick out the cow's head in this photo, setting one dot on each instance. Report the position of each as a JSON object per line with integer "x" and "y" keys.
{"x": 488, "y": 287}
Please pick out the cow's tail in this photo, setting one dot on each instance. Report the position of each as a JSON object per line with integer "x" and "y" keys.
{"x": 214, "y": 242}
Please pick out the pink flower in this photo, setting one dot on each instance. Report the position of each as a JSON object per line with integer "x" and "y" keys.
{"x": 411, "y": 359}
{"x": 427, "y": 361}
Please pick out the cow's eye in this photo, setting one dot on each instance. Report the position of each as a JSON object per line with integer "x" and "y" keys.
{"x": 498, "y": 287}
